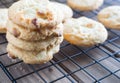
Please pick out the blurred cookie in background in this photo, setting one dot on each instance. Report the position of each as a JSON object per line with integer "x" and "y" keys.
{"x": 3, "y": 20}
{"x": 85, "y": 5}
{"x": 110, "y": 17}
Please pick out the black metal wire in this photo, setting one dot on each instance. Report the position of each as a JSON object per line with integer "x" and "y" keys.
{"x": 7, "y": 73}
{"x": 37, "y": 73}
{"x": 111, "y": 53}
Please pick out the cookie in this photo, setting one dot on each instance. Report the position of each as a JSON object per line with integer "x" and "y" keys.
{"x": 84, "y": 31}
{"x": 110, "y": 17}
{"x": 66, "y": 10}
{"x": 34, "y": 35}
{"x": 32, "y": 57}
{"x": 33, "y": 46}
{"x": 34, "y": 14}
{"x": 3, "y": 20}
{"x": 85, "y": 5}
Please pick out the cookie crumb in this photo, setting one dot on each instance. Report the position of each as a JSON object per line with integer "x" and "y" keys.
{"x": 50, "y": 69}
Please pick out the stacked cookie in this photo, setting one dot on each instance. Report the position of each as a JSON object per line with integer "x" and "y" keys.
{"x": 35, "y": 31}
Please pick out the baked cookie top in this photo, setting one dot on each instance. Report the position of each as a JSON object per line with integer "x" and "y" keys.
{"x": 85, "y": 5}
{"x": 3, "y": 20}
{"x": 84, "y": 31}
{"x": 34, "y": 14}
{"x": 110, "y": 17}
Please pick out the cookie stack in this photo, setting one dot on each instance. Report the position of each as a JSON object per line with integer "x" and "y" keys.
{"x": 35, "y": 31}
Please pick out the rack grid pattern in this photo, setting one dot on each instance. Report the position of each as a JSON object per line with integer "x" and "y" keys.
{"x": 110, "y": 49}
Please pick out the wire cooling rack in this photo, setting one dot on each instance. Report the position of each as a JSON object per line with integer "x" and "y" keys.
{"x": 97, "y": 64}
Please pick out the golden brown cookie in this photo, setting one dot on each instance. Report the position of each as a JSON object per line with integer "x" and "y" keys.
{"x": 110, "y": 17}
{"x": 84, "y": 31}
{"x": 85, "y": 5}
{"x": 3, "y": 20}
{"x": 33, "y": 46}
{"x": 32, "y": 57}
